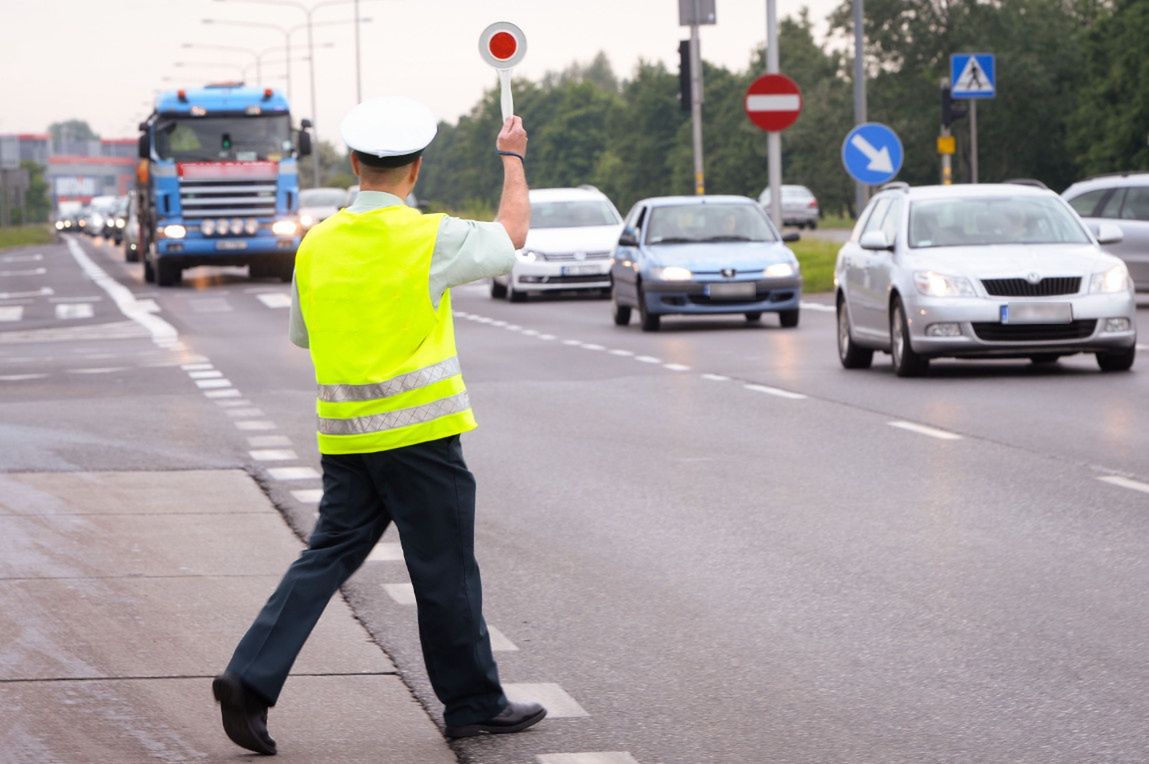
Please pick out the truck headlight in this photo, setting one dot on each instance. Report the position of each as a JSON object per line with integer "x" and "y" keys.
{"x": 1116, "y": 279}
{"x": 207, "y": 228}
{"x": 780, "y": 270}
{"x": 673, "y": 273}
{"x": 284, "y": 227}
{"x": 251, "y": 227}
{"x": 934, "y": 284}
{"x": 175, "y": 231}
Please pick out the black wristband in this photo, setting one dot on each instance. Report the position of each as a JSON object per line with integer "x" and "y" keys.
{"x": 521, "y": 158}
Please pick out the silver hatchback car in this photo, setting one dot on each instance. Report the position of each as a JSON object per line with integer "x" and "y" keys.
{"x": 989, "y": 270}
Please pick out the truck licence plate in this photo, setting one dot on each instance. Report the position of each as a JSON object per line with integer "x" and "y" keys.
{"x": 1037, "y": 313}
{"x": 231, "y": 245}
{"x": 743, "y": 290}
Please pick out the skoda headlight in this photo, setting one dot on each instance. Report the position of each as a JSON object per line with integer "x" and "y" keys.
{"x": 284, "y": 227}
{"x": 933, "y": 284}
{"x": 527, "y": 255}
{"x": 780, "y": 270}
{"x": 1116, "y": 279}
{"x": 175, "y": 231}
{"x": 673, "y": 273}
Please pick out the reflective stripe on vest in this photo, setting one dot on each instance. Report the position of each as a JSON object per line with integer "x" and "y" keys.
{"x": 412, "y": 380}
{"x": 392, "y": 420}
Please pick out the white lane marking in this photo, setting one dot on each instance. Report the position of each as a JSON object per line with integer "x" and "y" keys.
{"x": 587, "y": 757}
{"x": 229, "y": 404}
{"x": 98, "y": 370}
{"x": 513, "y": 328}
{"x": 273, "y": 455}
{"x": 922, "y": 429}
{"x": 591, "y": 346}
{"x": 268, "y": 441}
{"x": 499, "y": 641}
{"x": 205, "y": 374}
{"x": 1142, "y": 347}
{"x": 403, "y": 594}
{"x": 230, "y": 392}
{"x": 553, "y": 697}
{"x": 647, "y": 359}
{"x": 41, "y": 292}
{"x": 65, "y": 310}
{"x": 275, "y": 300}
{"x": 196, "y": 366}
{"x": 75, "y": 298}
{"x": 675, "y": 367}
{"x": 775, "y": 391}
{"x": 1122, "y": 482}
{"x": 817, "y": 306}
{"x": 254, "y": 424}
{"x": 498, "y": 323}
{"x": 21, "y": 377}
{"x": 292, "y": 473}
{"x": 386, "y": 551}
{"x": 623, "y": 353}
{"x": 12, "y": 313}
{"x": 29, "y": 272}
{"x": 716, "y": 377}
{"x": 572, "y": 343}
{"x": 530, "y": 333}
{"x": 122, "y": 296}
{"x": 546, "y": 336}
{"x": 245, "y": 412}
{"x": 22, "y": 258}
{"x": 149, "y": 306}
{"x": 204, "y": 384}
{"x": 308, "y": 495}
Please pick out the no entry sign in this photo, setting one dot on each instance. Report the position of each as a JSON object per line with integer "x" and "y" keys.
{"x": 773, "y": 102}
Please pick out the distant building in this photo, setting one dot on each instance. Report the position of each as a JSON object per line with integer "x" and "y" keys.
{"x": 76, "y": 170}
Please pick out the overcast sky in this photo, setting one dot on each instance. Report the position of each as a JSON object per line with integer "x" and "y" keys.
{"x": 104, "y": 61}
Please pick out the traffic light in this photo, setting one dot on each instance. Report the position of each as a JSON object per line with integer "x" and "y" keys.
{"x": 950, "y": 109}
{"x": 684, "y": 101}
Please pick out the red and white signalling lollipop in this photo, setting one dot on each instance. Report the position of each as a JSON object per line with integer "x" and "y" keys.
{"x": 503, "y": 45}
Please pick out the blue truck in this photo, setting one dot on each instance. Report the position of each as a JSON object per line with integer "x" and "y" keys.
{"x": 218, "y": 182}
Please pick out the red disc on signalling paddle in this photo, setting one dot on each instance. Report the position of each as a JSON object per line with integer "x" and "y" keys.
{"x": 502, "y": 45}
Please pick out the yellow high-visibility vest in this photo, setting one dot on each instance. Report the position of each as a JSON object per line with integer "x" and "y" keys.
{"x": 384, "y": 356}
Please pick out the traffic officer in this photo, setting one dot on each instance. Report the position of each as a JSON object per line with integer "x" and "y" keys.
{"x": 373, "y": 304}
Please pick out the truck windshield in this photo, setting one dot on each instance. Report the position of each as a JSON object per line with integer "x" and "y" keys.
{"x": 211, "y": 139}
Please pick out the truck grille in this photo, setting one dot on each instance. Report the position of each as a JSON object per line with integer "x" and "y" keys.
{"x": 1047, "y": 287}
{"x": 227, "y": 198}
{"x": 994, "y": 332}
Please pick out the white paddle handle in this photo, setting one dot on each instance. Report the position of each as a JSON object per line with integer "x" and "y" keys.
{"x": 507, "y": 101}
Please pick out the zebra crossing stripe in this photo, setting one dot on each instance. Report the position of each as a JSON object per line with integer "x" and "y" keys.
{"x": 11, "y": 313}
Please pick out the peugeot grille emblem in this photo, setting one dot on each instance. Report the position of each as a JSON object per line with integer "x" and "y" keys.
{"x": 728, "y": 272}
{"x": 1033, "y": 278}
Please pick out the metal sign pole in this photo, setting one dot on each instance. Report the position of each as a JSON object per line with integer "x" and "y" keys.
{"x": 696, "y": 104}
{"x": 861, "y": 192}
{"x": 973, "y": 140}
{"x": 773, "y": 139}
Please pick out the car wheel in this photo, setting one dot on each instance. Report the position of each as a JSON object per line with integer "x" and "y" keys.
{"x": 1044, "y": 359}
{"x": 650, "y": 321}
{"x": 849, "y": 354}
{"x": 907, "y": 363}
{"x": 788, "y": 318}
{"x": 149, "y": 270}
{"x": 813, "y": 224}
{"x": 754, "y": 317}
{"x": 498, "y": 291}
{"x": 287, "y": 269}
{"x": 130, "y": 255}
{"x": 168, "y": 274}
{"x": 514, "y": 295}
{"x": 621, "y": 314}
{"x": 1122, "y": 360}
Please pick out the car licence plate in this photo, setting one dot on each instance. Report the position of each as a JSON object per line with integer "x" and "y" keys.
{"x": 231, "y": 245}
{"x": 580, "y": 270}
{"x": 1037, "y": 313}
{"x": 743, "y": 290}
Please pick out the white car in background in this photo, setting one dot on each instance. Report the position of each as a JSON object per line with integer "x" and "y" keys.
{"x": 318, "y": 204}
{"x": 573, "y": 232}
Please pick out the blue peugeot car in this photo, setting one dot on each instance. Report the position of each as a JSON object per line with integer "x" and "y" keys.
{"x": 703, "y": 255}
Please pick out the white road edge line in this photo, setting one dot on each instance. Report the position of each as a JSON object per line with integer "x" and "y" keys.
{"x": 922, "y": 429}
{"x": 122, "y": 296}
{"x": 817, "y": 306}
{"x": 776, "y": 391}
{"x": 1121, "y": 482}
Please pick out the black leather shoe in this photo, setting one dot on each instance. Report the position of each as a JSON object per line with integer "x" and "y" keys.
{"x": 244, "y": 715}
{"x": 516, "y": 717}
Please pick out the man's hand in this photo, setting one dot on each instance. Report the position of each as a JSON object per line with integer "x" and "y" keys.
{"x": 512, "y": 137}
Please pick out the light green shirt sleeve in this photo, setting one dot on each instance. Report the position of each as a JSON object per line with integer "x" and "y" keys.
{"x": 465, "y": 251}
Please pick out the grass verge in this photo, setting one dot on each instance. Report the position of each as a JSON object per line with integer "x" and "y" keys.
{"x": 817, "y": 259}
{"x": 25, "y": 235}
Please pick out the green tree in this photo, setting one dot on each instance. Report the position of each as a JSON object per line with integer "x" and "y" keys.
{"x": 334, "y": 167}
{"x": 37, "y": 201}
{"x": 71, "y": 130}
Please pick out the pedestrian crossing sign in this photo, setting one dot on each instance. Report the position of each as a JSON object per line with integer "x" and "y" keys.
{"x": 972, "y": 75}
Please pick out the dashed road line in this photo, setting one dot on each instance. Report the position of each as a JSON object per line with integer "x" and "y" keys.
{"x": 647, "y": 359}
{"x": 205, "y": 374}
{"x": 275, "y": 299}
{"x": 621, "y": 353}
{"x": 587, "y": 757}
{"x": 403, "y": 594}
{"x": 386, "y": 551}
{"x": 817, "y": 306}
{"x": 922, "y": 429}
{"x": 676, "y": 367}
{"x": 196, "y": 366}
{"x": 292, "y": 473}
{"x": 273, "y": 455}
{"x": 775, "y": 391}
{"x": 41, "y": 292}
{"x": 230, "y": 404}
{"x": 250, "y": 413}
{"x": 33, "y": 258}
{"x": 1122, "y": 482}
{"x": 308, "y": 495}
{"x": 99, "y": 370}
{"x": 66, "y": 311}
{"x": 254, "y": 424}
{"x": 21, "y": 377}
{"x": 11, "y": 313}
{"x": 716, "y": 377}
{"x": 27, "y": 272}
{"x": 499, "y": 641}
{"x": 230, "y": 392}
{"x": 555, "y": 699}
{"x": 205, "y": 384}
{"x": 267, "y": 441}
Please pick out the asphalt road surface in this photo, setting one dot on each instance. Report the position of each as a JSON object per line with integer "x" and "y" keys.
{"x": 709, "y": 544}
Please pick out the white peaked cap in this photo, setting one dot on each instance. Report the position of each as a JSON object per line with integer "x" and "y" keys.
{"x": 389, "y": 126}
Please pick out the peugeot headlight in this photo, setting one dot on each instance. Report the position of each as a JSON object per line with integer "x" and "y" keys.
{"x": 934, "y": 284}
{"x": 284, "y": 227}
{"x": 175, "y": 231}
{"x": 673, "y": 273}
{"x": 528, "y": 255}
{"x": 1116, "y": 279}
{"x": 781, "y": 270}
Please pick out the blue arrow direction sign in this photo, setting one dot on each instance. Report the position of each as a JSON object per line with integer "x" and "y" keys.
{"x": 872, "y": 153}
{"x": 973, "y": 75}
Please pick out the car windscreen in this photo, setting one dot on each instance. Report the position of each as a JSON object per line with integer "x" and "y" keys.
{"x": 210, "y": 139}
{"x": 688, "y": 223}
{"x": 572, "y": 214}
{"x": 322, "y": 197}
{"x": 992, "y": 220}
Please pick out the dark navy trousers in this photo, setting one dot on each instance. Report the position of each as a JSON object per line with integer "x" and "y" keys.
{"x": 429, "y": 493}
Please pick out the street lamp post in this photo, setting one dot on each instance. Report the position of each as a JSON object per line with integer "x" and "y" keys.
{"x": 286, "y": 38}
{"x": 230, "y": 48}
{"x": 215, "y": 64}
